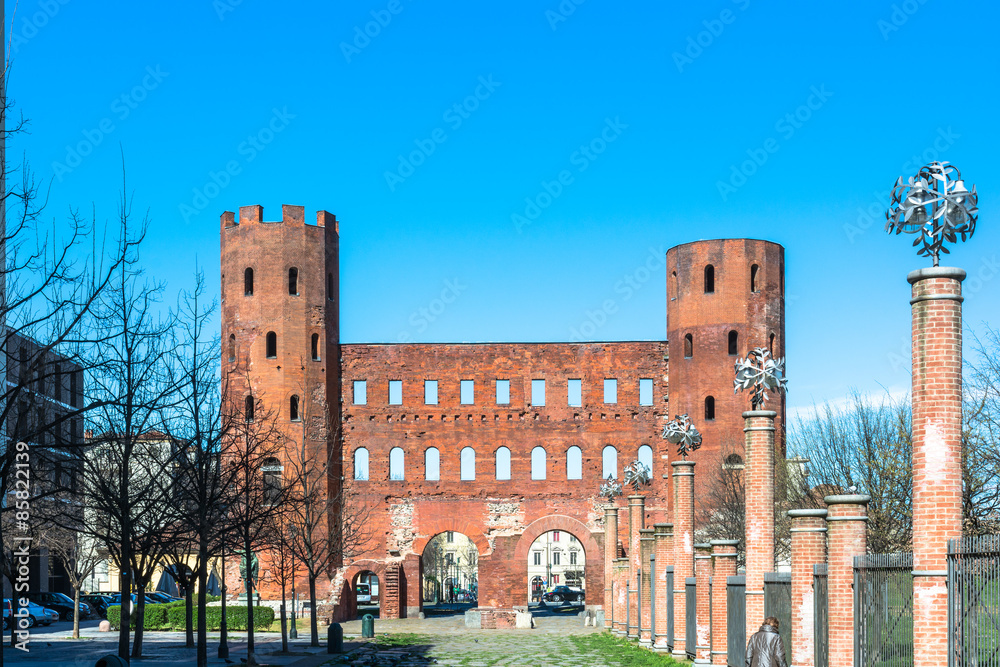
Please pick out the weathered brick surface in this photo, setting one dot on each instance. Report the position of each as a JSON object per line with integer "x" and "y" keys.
{"x": 724, "y": 566}
{"x": 703, "y": 601}
{"x": 664, "y": 535}
{"x": 846, "y": 538}
{"x": 610, "y": 554}
{"x": 808, "y": 549}
{"x": 646, "y": 547}
{"x": 683, "y": 476}
{"x": 937, "y": 450}
{"x": 759, "y": 471}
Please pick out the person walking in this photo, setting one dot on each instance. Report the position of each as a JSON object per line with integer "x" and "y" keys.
{"x": 765, "y": 648}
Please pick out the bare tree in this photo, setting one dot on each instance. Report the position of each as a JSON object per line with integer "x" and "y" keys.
{"x": 981, "y": 437}
{"x": 79, "y": 557}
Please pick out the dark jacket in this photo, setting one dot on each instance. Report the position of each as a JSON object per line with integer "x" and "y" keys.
{"x": 766, "y": 649}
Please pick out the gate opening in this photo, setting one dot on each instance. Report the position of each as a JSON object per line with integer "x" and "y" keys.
{"x": 556, "y": 572}
{"x": 450, "y": 581}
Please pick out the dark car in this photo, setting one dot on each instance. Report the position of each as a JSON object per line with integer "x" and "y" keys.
{"x": 563, "y": 594}
{"x": 60, "y": 603}
{"x": 99, "y": 603}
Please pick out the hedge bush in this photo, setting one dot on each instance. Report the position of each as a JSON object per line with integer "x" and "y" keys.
{"x": 154, "y": 618}
{"x": 236, "y": 617}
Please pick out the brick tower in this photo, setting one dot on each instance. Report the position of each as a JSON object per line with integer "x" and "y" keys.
{"x": 724, "y": 297}
{"x": 281, "y": 329}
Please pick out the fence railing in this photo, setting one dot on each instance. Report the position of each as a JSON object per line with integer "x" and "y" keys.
{"x": 736, "y": 621}
{"x": 778, "y": 603}
{"x": 974, "y": 601}
{"x": 691, "y": 616}
{"x": 669, "y": 592}
{"x": 883, "y": 610}
{"x": 821, "y": 616}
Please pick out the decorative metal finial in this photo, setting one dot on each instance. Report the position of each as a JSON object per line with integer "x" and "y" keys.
{"x": 636, "y": 475}
{"x": 762, "y": 373}
{"x": 935, "y": 205}
{"x": 611, "y": 489}
{"x": 681, "y": 432}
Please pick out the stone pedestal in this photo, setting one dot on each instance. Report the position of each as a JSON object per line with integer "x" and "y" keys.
{"x": 759, "y": 429}
{"x": 808, "y": 549}
{"x": 846, "y": 524}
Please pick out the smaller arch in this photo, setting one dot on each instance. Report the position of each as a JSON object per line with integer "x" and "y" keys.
{"x": 538, "y": 463}
{"x": 770, "y": 345}
{"x": 432, "y": 464}
{"x": 688, "y": 346}
{"x": 468, "y": 464}
{"x": 734, "y": 460}
{"x": 754, "y": 287}
{"x": 248, "y": 407}
{"x": 709, "y": 279}
{"x": 232, "y": 348}
{"x": 646, "y": 458}
{"x": 329, "y": 286}
{"x": 609, "y": 462}
{"x": 397, "y": 461}
{"x": 574, "y": 463}
{"x": 709, "y": 407}
{"x": 293, "y": 408}
{"x": 361, "y": 464}
{"x": 248, "y": 281}
{"x": 314, "y": 345}
{"x": 271, "y": 351}
{"x": 293, "y": 281}
{"x": 673, "y": 286}
{"x": 734, "y": 343}
{"x": 502, "y": 463}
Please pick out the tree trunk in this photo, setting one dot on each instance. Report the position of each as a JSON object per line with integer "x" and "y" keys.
{"x": 189, "y": 614}
{"x": 76, "y": 613}
{"x": 140, "y": 615}
{"x": 202, "y": 651}
{"x": 284, "y": 627}
{"x": 313, "y": 628}
{"x": 126, "y": 606}
{"x": 249, "y": 582}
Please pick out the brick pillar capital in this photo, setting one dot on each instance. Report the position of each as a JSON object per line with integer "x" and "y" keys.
{"x": 913, "y": 277}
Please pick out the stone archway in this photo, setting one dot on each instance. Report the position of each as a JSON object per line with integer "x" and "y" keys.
{"x": 593, "y": 551}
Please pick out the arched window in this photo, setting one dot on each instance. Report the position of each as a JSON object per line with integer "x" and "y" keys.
{"x": 609, "y": 462}
{"x": 770, "y": 345}
{"x": 396, "y": 461}
{"x": 673, "y": 285}
{"x": 232, "y": 348}
{"x": 538, "y": 463}
{"x": 432, "y": 464}
{"x": 248, "y": 407}
{"x": 222, "y": 286}
{"x": 646, "y": 458}
{"x": 315, "y": 347}
{"x": 361, "y": 463}
{"x": 754, "y": 287}
{"x": 503, "y": 463}
{"x": 709, "y": 279}
{"x": 248, "y": 282}
{"x": 710, "y": 407}
{"x": 272, "y": 345}
{"x": 574, "y": 463}
{"x": 734, "y": 460}
{"x": 329, "y": 286}
{"x": 272, "y": 480}
{"x": 688, "y": 346}
{"x": 293, "y": 409}
{"x": 468, "y": 459}
{"x": 734, "y": 343}
{"x": 293, "y": 281}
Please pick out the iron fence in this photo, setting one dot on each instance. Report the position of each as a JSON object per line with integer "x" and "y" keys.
{"x": 670, "y": 606}
{"x": 883, "y": 610}
{"x": 691, "y": 617}
{"x": 974, "y": 601}
{"x": 778, "y": 603}
{"x": 821, "y": 616}
{"x": 736, "y": 621}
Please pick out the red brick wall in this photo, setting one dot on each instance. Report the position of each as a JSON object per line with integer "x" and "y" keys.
{"x": 808, "y": 549}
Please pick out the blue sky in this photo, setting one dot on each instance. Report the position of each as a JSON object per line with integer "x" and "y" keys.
{"x": 644, "y": 109}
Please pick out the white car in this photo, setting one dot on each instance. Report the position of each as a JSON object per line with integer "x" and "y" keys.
{"x": 36, "y": 614}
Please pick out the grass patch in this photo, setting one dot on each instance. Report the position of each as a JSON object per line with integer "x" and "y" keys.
{"x": 614, "y": 649}
{"x": 402, "y": 639}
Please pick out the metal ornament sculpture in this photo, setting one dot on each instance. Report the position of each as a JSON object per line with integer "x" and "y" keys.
{"x": 936, "y": 206}
{"x": 761, "y": 373}
{"x": 681, "y": 432}
{"x": 611, "y": 489}
{"x": 636, "y": 475}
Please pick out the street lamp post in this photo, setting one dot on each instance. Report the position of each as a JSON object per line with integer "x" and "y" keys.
{"x": 223, "y": 638}
{"x": 294, "y": 633}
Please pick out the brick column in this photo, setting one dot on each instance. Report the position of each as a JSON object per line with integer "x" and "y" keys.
{"x": 621, "y": 579}
{"x": 759, "y": 473}
{"x": 636, "y": 522}
{"x": 664, "y": 534}
{"x": 646, "y": 545}
{"x": 846, "y": 535}
{"x": 724, "y": 556}
{"x": 937, "y": 451}
{"x": 683, "y": 548}
{"x": 703, "y": 576}
{"x": 610, "y": 554}
{"x": 808, "y": 549}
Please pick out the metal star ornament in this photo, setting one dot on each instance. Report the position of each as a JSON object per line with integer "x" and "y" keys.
{"x": 611, "y": 489}
{"x": 636, "y": 475}
{"x": 762, "y": 374}
{"x": 936, "y": 206}
{"x": 681, "y": 432}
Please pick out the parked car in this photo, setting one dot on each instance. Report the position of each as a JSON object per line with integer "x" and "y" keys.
{"x": 36, "y": 615}
{"x": 60, "y": 603}
{"x": 563, "y": 594}
{"x": 116, "y": 600}
{"x": 98, "y": 602}
{"x": 161, "y": 598}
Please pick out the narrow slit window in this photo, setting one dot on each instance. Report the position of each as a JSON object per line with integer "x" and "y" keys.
{"x": 770, "y": 345}
{"x": 538, "y": 393}
{"x": 468, "y": 392}
{"x": 646, "y": 458}
{"x": 395, "y": 392}
{"x": 709, "y": 407}
{"x": 232, "y": 348}
{"x": 360, "y": 392}
{"x": 734, "y": 343}
{"x": 503, "y": 392}
{"x": 396, "y": 464}
{"x": 432, "y": 464}
{"x": 468, "y": 463}
{"x": 538, "y": 463}
{"x": 329, "y": 286}
{"x": 248, "y": 408}
{"x": 610, "y": 391}
{"x": 688, "y": 346}
{"x": 709, "y": 279}
{"x": 673, "y": 285}
{"x": 361, "y": 463}
{"x": 574, "y": 463}
{"x": 646, "y": 391}
{"x": 272, "y": 345}
{"x": 574, "y": 392}
{"x": 293, "y": 281}
{"x": 609, "y": 462}
{"x": 315, "y": 347}
{"x": 248, "y": 282}
{"x": 503, "y": 463}
{"x": 754, "y": 287}
{"x": 293, "y": 409}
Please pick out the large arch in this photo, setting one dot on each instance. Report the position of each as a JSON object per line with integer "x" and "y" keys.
{"x": 592, "y": 550}
{"x": 354, "y": 570}
{"x": 434, "y": 527}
